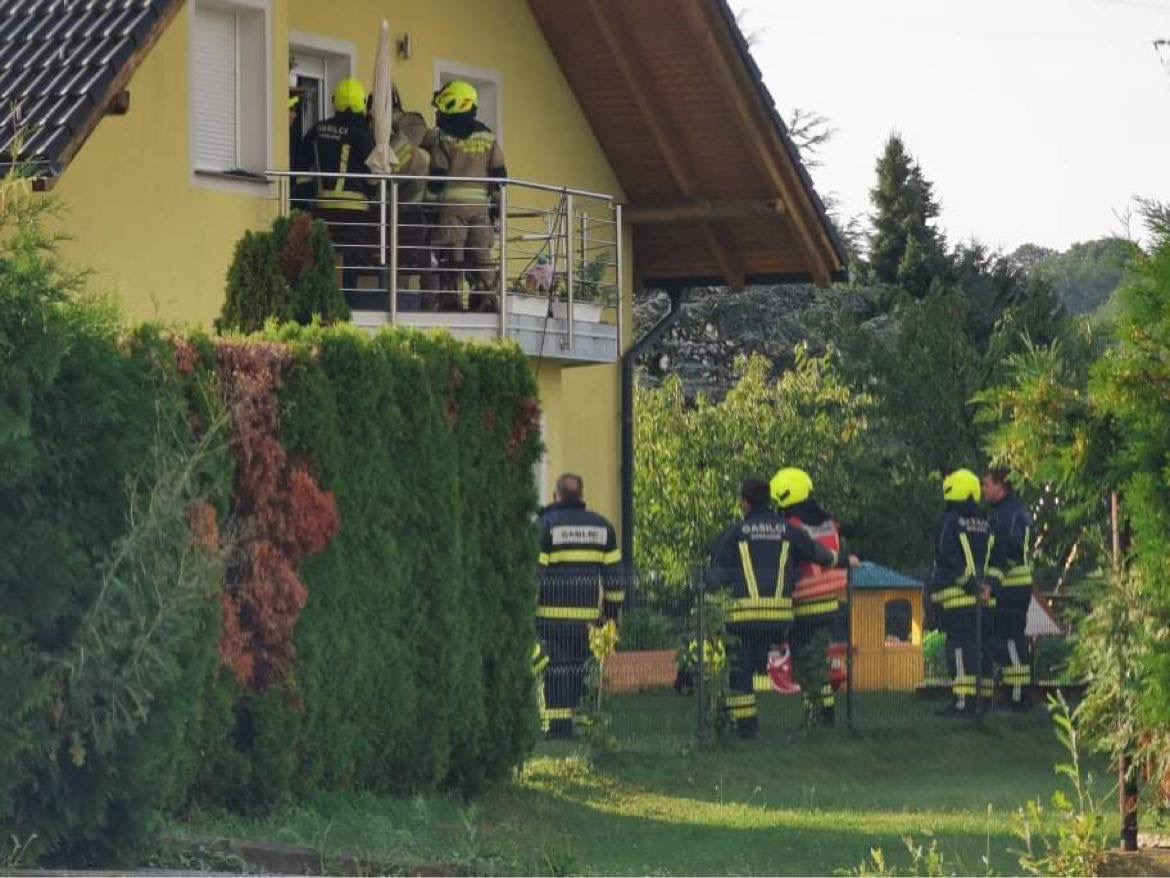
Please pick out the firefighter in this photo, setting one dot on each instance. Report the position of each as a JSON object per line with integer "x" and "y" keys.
{"x": 337, "y": 145}
{"x": 409, "y": 131}
{"x": 580, "y": 584}
{"x": 820, "y": 596}
{"x": 958, "y": 591}
{"x": 464, "y": 233}
{"x": 757, "y": 559}
{"x": 1011, "y": 526}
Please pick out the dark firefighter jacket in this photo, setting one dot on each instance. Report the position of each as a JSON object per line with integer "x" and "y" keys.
{"x": 757, "y": 559}
{"x": 339, "y": 144}
{"x": 960, "y": 556}
{"x": 1011, "y": 525}
{"x": 580, "y": 565}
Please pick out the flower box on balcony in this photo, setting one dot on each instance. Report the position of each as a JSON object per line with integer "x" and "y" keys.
{"x": 538, "y": 306}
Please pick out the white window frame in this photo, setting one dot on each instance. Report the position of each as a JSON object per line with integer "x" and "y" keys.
{"x": 257, "y": 125}
{"x": 475, "y": 74}
{"x": 343, "y": 53}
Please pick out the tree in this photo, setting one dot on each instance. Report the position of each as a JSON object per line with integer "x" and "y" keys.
{"x": 288, "y": 273}
{"x": 1085, "y": 275}
{"x": 1029, "y": 256}
{"x": 698, "y": 454}
{"x": 904, "y": 248}
{"x": 1132, "y": 384}
{"x": 1090, "y": 420}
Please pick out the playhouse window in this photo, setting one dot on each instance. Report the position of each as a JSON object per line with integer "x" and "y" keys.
{"x": 899, "y": 619}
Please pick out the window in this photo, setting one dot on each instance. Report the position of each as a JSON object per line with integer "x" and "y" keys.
{"x": 488, "y": 85}
{"x": 316, "y": 65}
{"x": 229, "y": 87}
{"x": 899, "y": 620}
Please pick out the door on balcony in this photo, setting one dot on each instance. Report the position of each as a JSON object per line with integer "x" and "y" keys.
{"x": 316, "y": 65}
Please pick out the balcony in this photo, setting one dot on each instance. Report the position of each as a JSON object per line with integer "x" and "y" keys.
{"x": 546, "y": 274}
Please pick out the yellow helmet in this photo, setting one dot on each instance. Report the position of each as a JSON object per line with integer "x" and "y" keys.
{"x": 455, "y": 97}
{"x": 961, "y": 485}
{"x": 791, "y": 486}
{"x": 350, "y": 95}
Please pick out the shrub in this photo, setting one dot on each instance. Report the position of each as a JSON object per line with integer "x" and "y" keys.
{"x": 288, "y": 273}
{"x": 309, "y": 266}
{"x": 1052, "y": 656}
{"x": 644, "y": 628}
{"x": 933, "y": 646}
{"x": 421, "y": 609}
{"x": 1080, "y": 844}
{"x": 256, "y": 288}
{"x": 107, "y": 620}
{"x": 356, "y": 512}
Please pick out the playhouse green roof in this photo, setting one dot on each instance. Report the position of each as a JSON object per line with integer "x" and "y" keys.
{"x": 875, "y": 577}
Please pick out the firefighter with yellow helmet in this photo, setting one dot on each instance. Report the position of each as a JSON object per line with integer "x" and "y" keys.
{"x": 464, "y": 232}
{"x": 756, "y": 559}
{"x": 340, "y": 145}
{"x": 957, "y": 589}
{"x": 821, "y": 630}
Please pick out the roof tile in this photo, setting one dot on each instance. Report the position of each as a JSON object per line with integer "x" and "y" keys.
{"x": 58, "y": 58}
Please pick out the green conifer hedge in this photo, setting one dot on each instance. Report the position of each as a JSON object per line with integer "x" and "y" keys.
{"x": 240, "y": 570}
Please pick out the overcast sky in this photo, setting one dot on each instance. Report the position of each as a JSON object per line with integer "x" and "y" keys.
{"x": 1035, "y": 119}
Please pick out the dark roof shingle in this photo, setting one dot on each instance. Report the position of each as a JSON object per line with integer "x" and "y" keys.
{"x": 60, "y": 61}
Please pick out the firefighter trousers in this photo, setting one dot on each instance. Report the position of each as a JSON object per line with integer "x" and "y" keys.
{"x": 968, "y": 654}
{"x": 749, "y": 671}
{"x": 1011, "y": 650}
{"x": 464, "y": 236}
{"x": 812, "y": 636}
{"x": 564, "y": 679}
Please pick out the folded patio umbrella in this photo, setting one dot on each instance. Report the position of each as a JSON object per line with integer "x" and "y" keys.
{"x": 382, "y": 160}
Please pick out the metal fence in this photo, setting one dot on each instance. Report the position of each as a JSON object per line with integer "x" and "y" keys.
{"x": 536, "y": 250}
{"x": 886, "y": 659}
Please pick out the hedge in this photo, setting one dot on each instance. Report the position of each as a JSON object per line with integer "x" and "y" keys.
{"x": 238, "y": 570}
{"x": 107, "y": 629}
{"x": 412, "y": 669}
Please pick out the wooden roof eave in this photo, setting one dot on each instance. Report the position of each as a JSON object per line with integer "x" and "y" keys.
{"x": 792, "y": 236}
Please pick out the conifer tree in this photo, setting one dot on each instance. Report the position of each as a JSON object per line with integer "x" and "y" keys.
{"x": 904, "y": 248}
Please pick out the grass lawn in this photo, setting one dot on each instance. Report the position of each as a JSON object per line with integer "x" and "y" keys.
{"x": 787, "y": 803}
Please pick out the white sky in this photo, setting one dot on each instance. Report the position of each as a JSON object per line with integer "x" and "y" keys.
{"x": 1035, "y": 119}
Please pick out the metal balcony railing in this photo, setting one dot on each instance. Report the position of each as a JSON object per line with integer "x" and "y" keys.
{"x": 552, "y": 253}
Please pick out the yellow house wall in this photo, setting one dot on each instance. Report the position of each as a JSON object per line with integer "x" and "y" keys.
{"x": 151, "y": 235}
{"x": 162, "y": 242}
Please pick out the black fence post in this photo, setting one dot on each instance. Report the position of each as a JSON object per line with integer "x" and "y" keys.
{"x": 979, "y": 707}
{"x": 849, "y": 650}
{"x": 701, "y": 669}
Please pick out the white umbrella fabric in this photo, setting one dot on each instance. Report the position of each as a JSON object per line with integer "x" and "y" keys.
{"x": 382, "y": 160}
